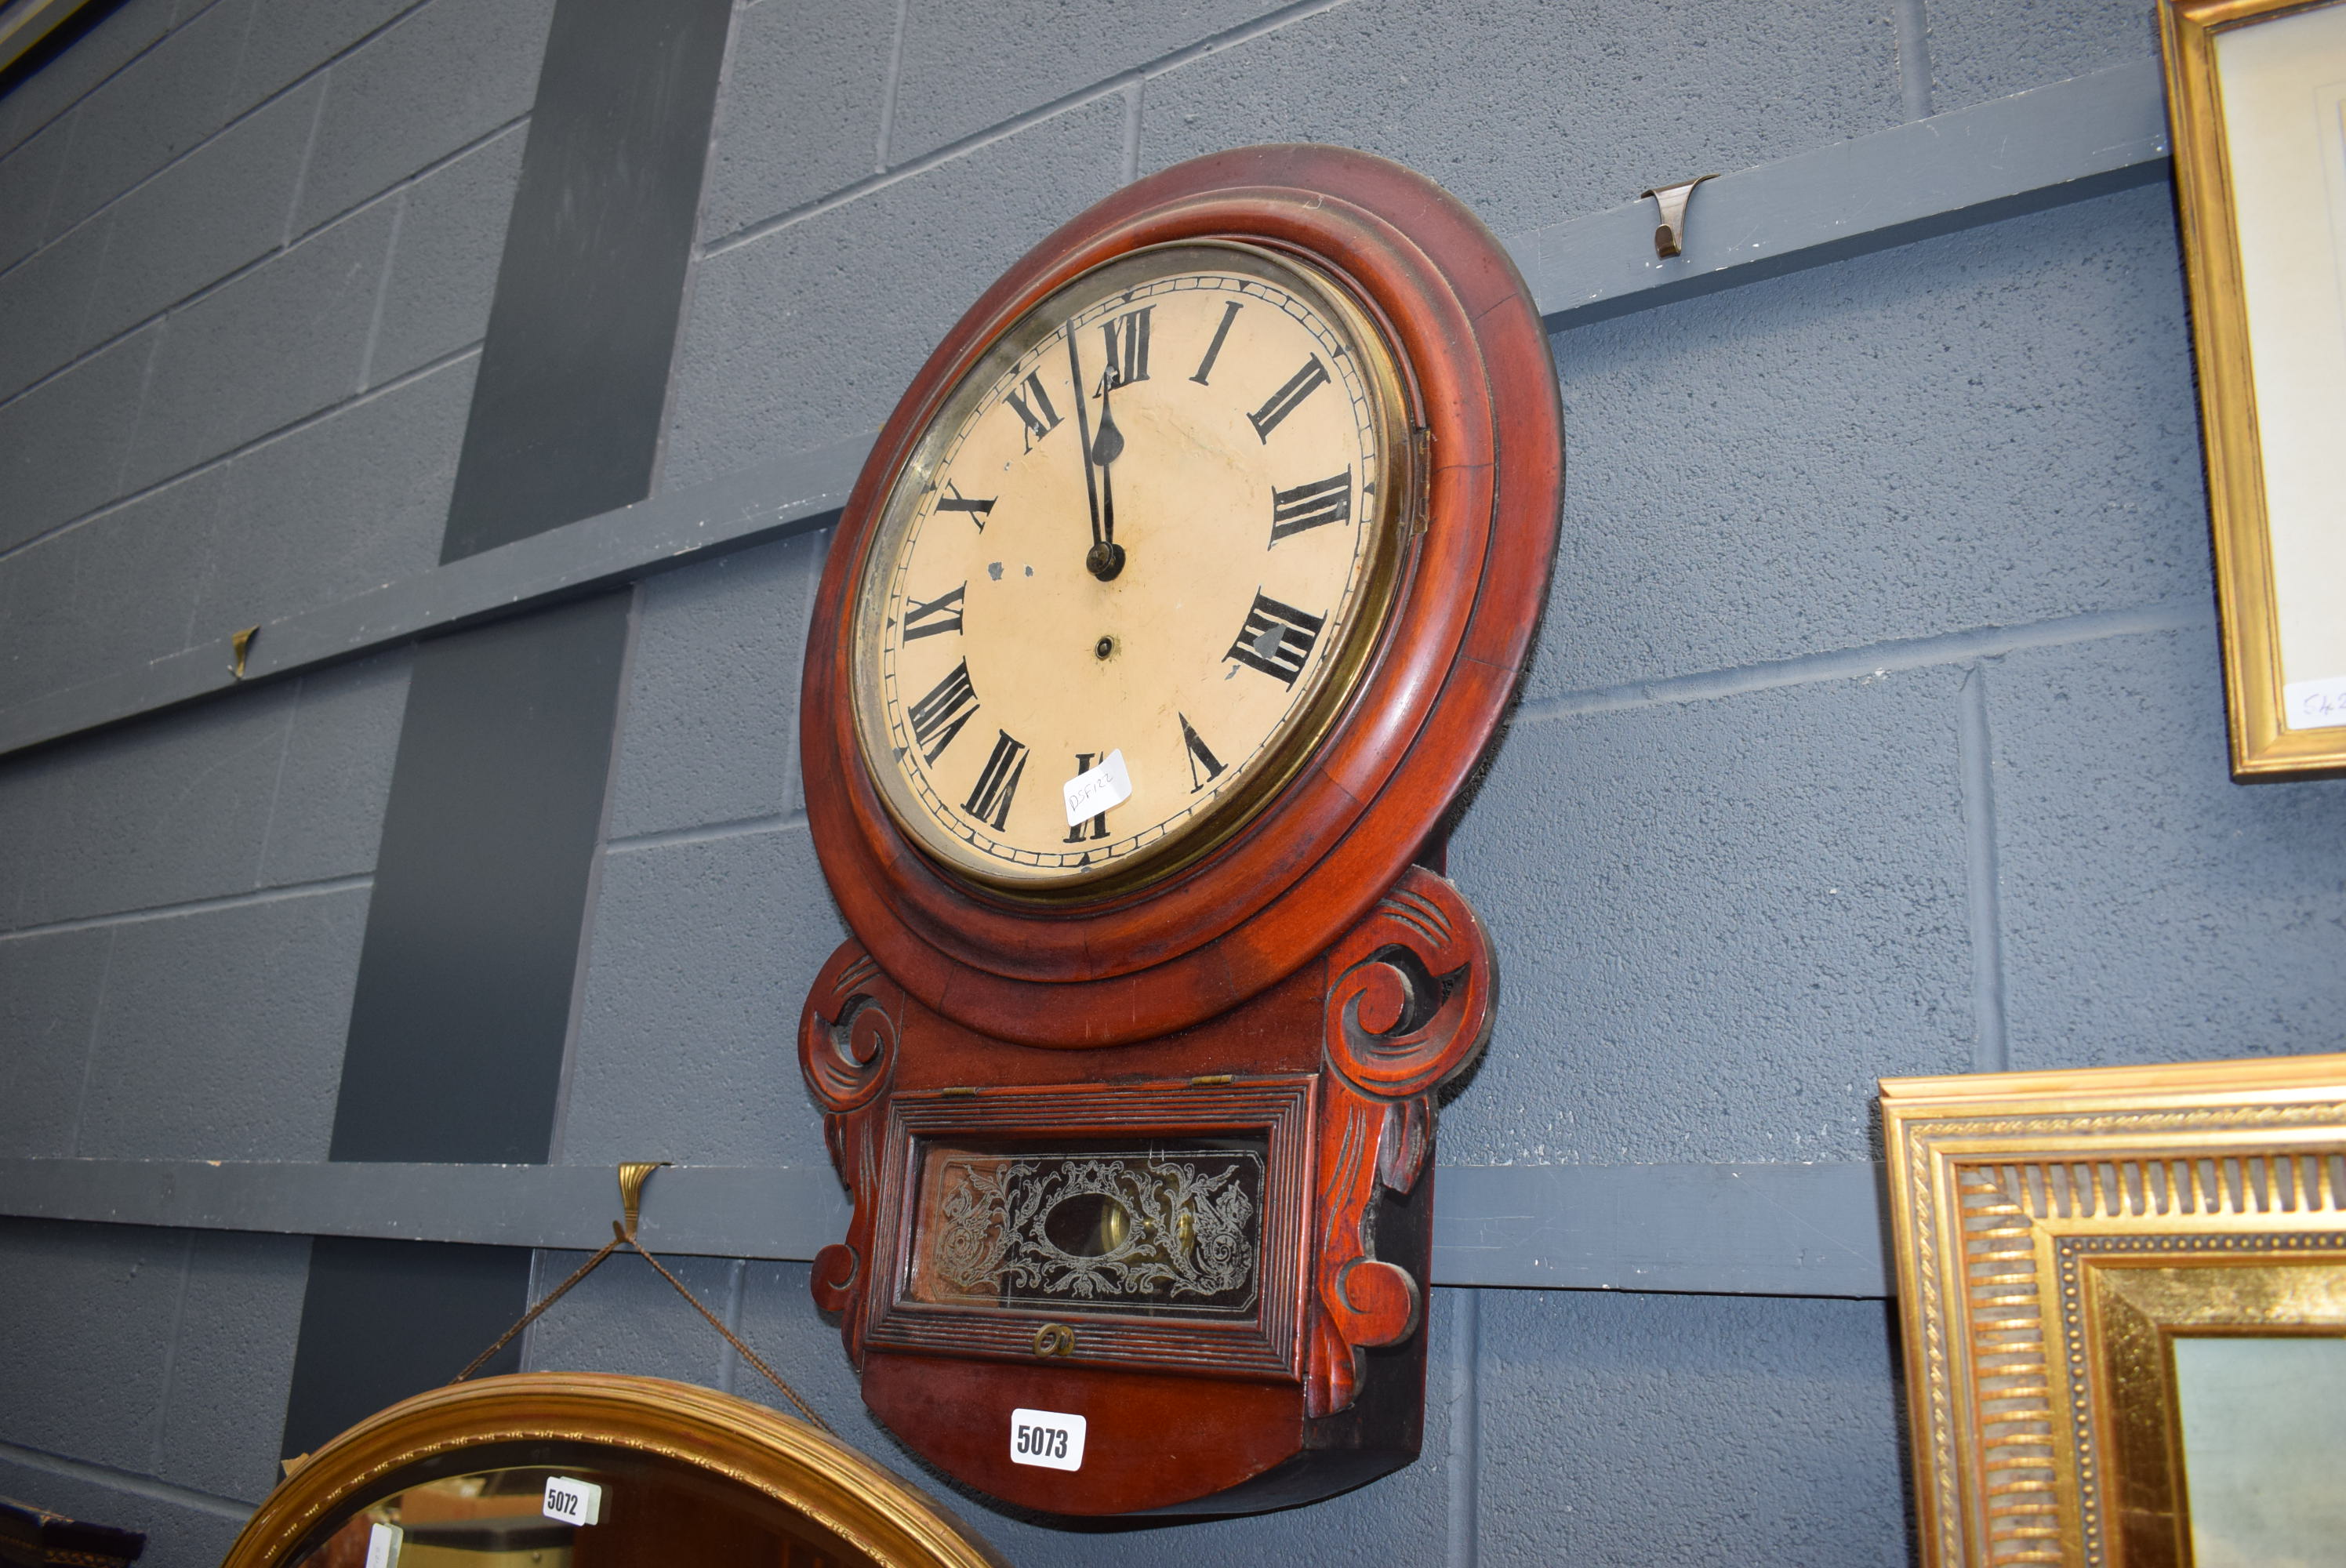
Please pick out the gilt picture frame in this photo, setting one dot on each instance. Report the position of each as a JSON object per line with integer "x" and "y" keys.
{"x": 2257, "y": 104}
{"x": 2123, "y": 1308}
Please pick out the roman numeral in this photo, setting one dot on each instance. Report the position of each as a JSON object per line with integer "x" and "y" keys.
{"x": 1097, "y": 827}
{"x": 1301, "y": 385}
{"x": 1200, "y": 757}
{"x": 1037, "y": 425}
{"x": 953, "y": 500}
{"x": 938, "y": 717}
{"x": 989, "y": 802}
{"x": 1214, "y": 349}
{"x": 1275, "y": 639}
{"x": 1309, "y": 505}
{"x": 1127, "y": 346}
{"x": 936, "y": 607}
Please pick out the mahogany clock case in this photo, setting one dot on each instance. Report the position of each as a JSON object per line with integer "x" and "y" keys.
{"x": 1480, "y": 389}
{"x": 1293, "y": 1000}
{"x": 1319, "y": 1386}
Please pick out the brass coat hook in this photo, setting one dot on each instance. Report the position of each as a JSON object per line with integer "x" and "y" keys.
{"x": 238, "y": 644}
{"x": 1671, "y": 199}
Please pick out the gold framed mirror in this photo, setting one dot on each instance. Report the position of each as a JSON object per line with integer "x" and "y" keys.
{"x": 582, "y": 1470}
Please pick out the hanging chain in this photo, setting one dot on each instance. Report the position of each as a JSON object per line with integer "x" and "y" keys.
{"x": 623, "y": 1234}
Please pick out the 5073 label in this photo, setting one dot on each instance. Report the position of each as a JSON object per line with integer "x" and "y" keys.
{"x": 1048, "y": 1438}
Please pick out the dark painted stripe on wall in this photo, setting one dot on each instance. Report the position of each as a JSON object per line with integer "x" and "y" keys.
{"x": 392, "y": 1313}
{"x": 470, "y": 955}
{"x": 567, "y": 412}
{"x": 468, "y": 973}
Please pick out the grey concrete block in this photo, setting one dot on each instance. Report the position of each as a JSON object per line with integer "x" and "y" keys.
{"x": 161, "y": 811}
{"x": 799, "y": 114}
{"x": 27, "y": 782}
{"x": 344, "y": 734}
{"x": 96, "y": 54}
{"x": 179, "y": 1533}
{"x": 1717, "y": 922}
{"x": 83, "y": 1358}
{"x": 336, "y": 507}
{"x": 444, "y": 269}
{"x": 43, "y": 302}
{"x": 1988, "y": 429}
{"x": 281, "y": 341}
{"x": 156, "y": 108}
{"x": 1534, "y": 114}
{"x": 233, "y": 1363}
{"x": 778, "y": 1320}
{"x": 446, "y": 73}
{"x": 624, "y": 1317}
{"x": 710, "y": 733}
{"x": 968, "y": 66}
{"x": 221, "y": 1036}
{"x": 289, "y": 38}
{"x": 2153, "y": 910}
{"x": 29, "y": 177}
{"x": 64, "y": 443}
{"x": 49, "y": 988}
{"x": 1988, "y": 48}
{"x": 812, "y": 332}
{"x": 209, "y": 213}
{"x": 701, "y": 960}
{"x": 37, "y": 598}
{"x": 1693, "y": 1430}
{"x": 115, "y": 589}
{"x": 1403, "y": 1518}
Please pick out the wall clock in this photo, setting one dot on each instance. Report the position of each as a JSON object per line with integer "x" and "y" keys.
{"x": 1175, "y": 605}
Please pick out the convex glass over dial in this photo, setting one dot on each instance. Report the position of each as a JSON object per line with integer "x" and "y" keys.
{"x": 1160, "y": 518}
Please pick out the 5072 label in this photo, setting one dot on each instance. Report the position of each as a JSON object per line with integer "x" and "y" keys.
{"x": 1048, "y": 1438}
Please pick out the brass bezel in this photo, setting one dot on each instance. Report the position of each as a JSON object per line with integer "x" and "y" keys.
{"x": 1398, "y": 521}
{"x": 787, "y": 1461}
{"x": 2262, "y": 745}
{"x": 2030, "y": 1211}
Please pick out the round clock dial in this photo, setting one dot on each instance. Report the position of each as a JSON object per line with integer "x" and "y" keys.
{"x": 1159, "y": 520}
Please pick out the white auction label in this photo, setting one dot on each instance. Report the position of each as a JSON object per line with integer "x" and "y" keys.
{"x": 573, "y": 1502}
{"x": 2314, "y": 704}
{"x": 1096, "y": 789}
{"x": 1046, "y": 1437}
{"x": 382, "y": 1545}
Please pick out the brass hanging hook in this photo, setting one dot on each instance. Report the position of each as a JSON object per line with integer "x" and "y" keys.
{"x": 633, "y": 1174}
{"x": 238, "y": 644}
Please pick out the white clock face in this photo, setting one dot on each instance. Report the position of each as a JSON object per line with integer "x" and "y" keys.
{"x": 1160, "y": 519}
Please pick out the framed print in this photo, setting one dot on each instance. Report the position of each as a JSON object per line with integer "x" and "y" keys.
{"x": 2256, "y": 96}
{"x": 2122, "y": 1301}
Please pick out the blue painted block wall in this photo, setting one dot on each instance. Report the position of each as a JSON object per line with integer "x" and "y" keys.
{"x": 1874, "y": 729}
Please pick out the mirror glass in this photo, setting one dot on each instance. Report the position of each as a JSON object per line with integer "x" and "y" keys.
{"x": 597, "y": 1508}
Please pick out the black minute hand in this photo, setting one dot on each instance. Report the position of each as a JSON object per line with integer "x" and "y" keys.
{"x": 1107, "y": 557}
{"x": 1083, "y": 438}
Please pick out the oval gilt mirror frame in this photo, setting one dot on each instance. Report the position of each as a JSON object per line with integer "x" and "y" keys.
{"x": 724, "y": 1445}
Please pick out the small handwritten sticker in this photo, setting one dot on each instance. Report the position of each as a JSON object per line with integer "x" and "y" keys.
{"x": 382, "y": 1545}
{"x": 2314, "y": 704}
{"x": 1048, "y": 1438}
{"x": 1094, "y": 789}
{"x": 573, "y": 1502}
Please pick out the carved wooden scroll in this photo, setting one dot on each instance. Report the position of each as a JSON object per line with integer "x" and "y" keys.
{"x": 847, "y": 1050}
{"x": 1409, "y": 1007}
